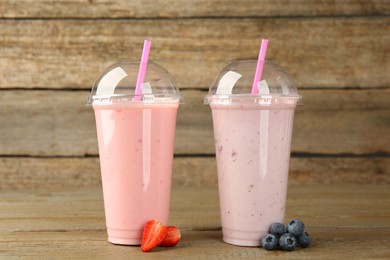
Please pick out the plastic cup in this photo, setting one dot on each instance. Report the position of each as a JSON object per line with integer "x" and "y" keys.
{"x": 252, "y": 141}
{"x": 136, "y": 139}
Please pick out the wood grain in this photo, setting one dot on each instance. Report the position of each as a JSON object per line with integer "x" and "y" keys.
{"x": 58, "y": 123}
{"x": 189, "y": 8}
{"x": 52, "y": 51}
{"x": 347, "y": 221}
{"x": 334, "y": 52}
{"x": 47, "y": 173}
{"x": 359, "y": 243}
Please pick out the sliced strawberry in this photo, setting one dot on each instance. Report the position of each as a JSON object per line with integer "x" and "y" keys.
{"x": 172, "y": 238}
{"x": 154, "y": 234}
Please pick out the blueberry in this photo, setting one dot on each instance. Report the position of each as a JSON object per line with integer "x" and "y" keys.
{"x": 304, "y": 240}
{"x": 296, "y": 227}
{"x": 277, "y": 229}
{"x": 269, "y": 242}
{"x": 287, "y": 242}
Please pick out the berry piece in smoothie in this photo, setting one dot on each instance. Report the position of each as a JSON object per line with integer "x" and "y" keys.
{"x": 296, "y": 227}
{"x": 287, "y": 242}
{"x": 154, "y": 233}
{"x": 269, "y": 242}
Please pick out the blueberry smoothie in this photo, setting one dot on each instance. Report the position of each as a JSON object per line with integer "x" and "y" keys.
{"x": 252, "y": 133}
{"x": 252, "y": 146}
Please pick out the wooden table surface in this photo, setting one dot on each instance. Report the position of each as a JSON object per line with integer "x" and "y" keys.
{"x": 345, "y": 221}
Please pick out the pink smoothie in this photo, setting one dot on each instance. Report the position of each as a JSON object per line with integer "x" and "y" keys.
{"x": 252, "y": 145}
{"x": 136, "y": 153}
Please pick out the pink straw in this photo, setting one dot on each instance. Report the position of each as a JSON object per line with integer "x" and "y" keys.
{"x": 259, "y": 67}
{"x": 142, "y": 67}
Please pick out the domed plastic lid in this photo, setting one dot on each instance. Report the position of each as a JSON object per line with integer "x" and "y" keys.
{"x": 234, "y": 84}
{"x": 118, "y": 83}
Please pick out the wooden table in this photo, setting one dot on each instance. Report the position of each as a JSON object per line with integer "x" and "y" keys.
{"x": 346, "y": 222}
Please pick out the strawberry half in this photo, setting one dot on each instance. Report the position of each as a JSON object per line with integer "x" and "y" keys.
{"x": 172, "y": 238}
{"x": 154, "y": 234}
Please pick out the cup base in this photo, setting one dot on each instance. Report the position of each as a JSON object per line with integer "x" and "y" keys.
{"x": 124, "y": 241}
{"x": 240, "y": 242}
{"x": 243, "y": 238}
{"x": 124, "y": 236}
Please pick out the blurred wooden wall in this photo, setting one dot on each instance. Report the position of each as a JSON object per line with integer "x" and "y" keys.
{"x": 51, "y": 52}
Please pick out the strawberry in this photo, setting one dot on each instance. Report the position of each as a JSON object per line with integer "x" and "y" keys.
{"x": 154, "y": 234}
{"x": 172, "y": 238}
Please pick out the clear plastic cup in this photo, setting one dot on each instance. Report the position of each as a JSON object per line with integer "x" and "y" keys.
{"x": 252, "y": 142}
{"x": 136, "y": 139}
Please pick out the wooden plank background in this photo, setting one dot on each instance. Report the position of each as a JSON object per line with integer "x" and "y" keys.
{"x": 51, "y": 52}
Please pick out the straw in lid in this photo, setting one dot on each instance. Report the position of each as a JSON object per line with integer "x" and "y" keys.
{"x": 118, "y": 84}
{"x": 235, "y": 84}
